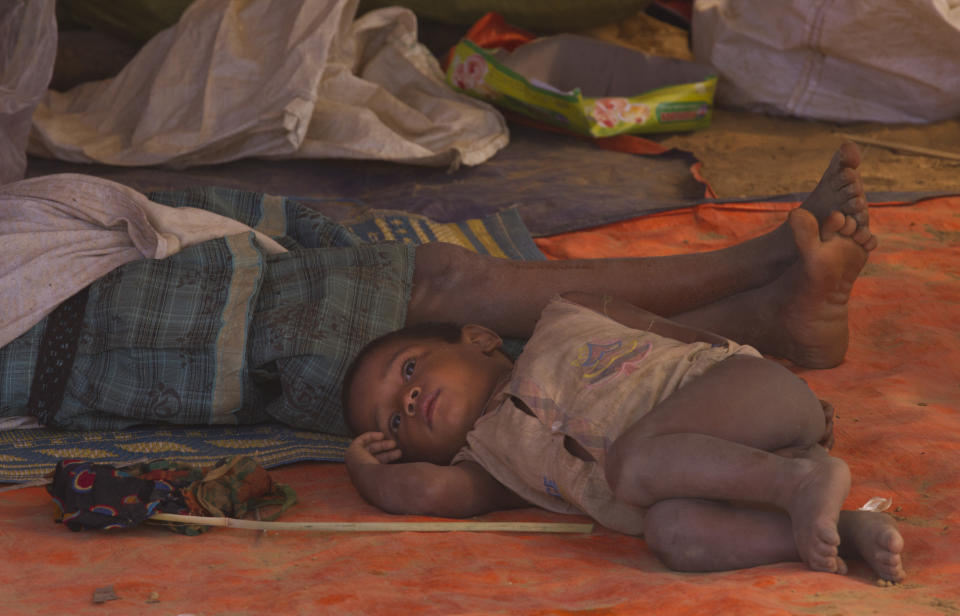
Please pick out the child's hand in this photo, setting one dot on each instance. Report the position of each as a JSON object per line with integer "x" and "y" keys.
{"x": 372, "y": 448}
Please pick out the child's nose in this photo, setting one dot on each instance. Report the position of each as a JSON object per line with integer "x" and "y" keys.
{"x": 410, "y": 401}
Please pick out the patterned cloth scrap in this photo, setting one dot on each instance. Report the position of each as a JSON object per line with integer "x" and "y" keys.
{"x": 99, "y": 496}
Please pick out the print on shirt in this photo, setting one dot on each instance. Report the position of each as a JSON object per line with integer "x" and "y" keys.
{"x": 599, "y": 361}
{"x": 552, "y": 488}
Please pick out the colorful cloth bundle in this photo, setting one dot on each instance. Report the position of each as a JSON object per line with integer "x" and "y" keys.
{"x": 99, "y": 496}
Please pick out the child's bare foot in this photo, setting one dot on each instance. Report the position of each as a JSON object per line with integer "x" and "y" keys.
{"x": 873, "y": 537}
{"x": 840, "y": 188}
{"x": 813, "y": 293}
{"x": 814, "y": 509}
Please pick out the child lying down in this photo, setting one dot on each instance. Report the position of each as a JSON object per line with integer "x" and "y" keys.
{"x": 717, "y": 456}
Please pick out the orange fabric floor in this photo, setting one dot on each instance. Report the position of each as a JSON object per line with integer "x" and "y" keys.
{"x": 898, "y": 400}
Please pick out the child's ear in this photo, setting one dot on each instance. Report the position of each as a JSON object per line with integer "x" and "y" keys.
{"x": 486, "y": 339}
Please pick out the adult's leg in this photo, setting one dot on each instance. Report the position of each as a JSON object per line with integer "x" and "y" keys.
{"x": 802, "y": 315}
{"x": 699, "y": 535}
{"x": 452, "y": 284}
{"x": 713, "y": 438}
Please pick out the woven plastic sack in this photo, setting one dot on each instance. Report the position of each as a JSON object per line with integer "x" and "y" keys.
{"x": 869, "y": 60}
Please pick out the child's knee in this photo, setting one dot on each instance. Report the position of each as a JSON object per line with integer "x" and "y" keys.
{"x": 663, "y": 530}
{"x": 797, "y": 403}
{"x": 809, "y": 409}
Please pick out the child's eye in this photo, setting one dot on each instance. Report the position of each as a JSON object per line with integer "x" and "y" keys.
{"x": 408, "y": 367}
{"x": 394, "y": 423}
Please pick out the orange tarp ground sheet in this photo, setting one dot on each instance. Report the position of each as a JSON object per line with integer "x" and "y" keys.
{"x": 898, "y": 428}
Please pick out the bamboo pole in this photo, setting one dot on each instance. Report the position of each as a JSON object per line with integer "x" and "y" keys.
{"x": 359, "y": 527}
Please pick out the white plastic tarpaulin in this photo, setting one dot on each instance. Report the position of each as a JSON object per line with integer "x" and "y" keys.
{"x": 272, "y": 79}
{"x": 836, "y": 60}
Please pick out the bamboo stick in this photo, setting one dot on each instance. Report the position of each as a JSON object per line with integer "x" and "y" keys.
{"x": 358, "y": 527}
{"x": 902, "y": 146}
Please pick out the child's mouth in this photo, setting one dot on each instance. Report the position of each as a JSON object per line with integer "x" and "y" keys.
{"x": 427, "y": 407}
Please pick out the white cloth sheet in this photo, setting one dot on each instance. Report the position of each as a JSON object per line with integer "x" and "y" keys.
{"x": 59, "y": 233}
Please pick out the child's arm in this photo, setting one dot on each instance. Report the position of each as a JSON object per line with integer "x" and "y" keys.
{"x": 422, "y": 488}
{"x": 625, "y": 313}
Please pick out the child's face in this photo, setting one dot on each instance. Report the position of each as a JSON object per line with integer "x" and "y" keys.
{"x": 427, "y": 394}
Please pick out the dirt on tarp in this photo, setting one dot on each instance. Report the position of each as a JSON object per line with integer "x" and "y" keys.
{"x": 752, "y": 155}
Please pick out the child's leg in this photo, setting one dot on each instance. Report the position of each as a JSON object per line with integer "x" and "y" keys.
{"x": 699, "y": 535}
{"x": 713, "y": 439}
{"x": 690, "y": 534}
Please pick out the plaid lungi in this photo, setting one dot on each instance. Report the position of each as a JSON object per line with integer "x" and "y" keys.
{"x": 221, "y": 333}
